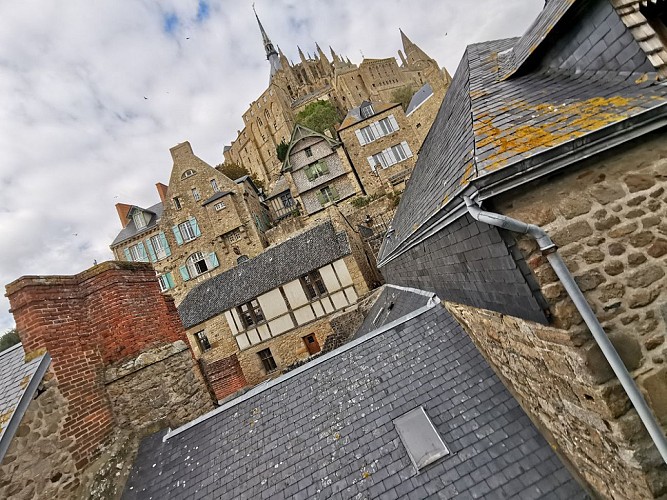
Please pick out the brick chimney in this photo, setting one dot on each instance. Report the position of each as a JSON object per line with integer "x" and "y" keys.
{"x": 162, "y": 191}
{"x": 87, "y": 322}
{"x": 123, "y": 209}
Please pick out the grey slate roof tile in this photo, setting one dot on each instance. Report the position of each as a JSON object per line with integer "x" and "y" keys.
{"x": 276, "y": 266}
{"x": 497, "y": 113}
{"x": 327, "y": 431}
{"x": 130, "y": 231}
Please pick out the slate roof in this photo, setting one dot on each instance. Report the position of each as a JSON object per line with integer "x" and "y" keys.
{"x": 393, "y": 302}
{"x": 325, "y": 430}
{"x": 583, "y": 85}
{"x": 130, "y": 231}
{"x": 418, "y": 98}
{"x": 215, "y": 197}
{"x": 277, "y": 265}
{"x": 354, "y": 115}
{"x": 18, "y": 382}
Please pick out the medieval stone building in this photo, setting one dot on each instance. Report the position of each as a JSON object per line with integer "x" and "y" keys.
{"x": 270, "y": 118}
{"x": 205, "y": 223}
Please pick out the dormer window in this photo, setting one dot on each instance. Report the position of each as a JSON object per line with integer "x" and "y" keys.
{"x": 367, "y": 110}
{"x": 139, "y": 220}
{"x": 188, "y": 173}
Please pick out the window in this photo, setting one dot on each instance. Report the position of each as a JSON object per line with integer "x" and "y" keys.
{"x": 386, "y": 126}
{"x": 399, "y": 153}
{"x": 188, "y": 173}
{"x": 159, "y": 246}
{"x": 166, "y": 281}
{"x": 367, "y": 134}
{"x": 366, "y": 109}
{"x": 242, "y": 258}
{"x": 177, "y": 203}
{"x": 328, "y": 194}
{"x": 214, "y": 185}
{"x": 233, "y": 236}
{"x": 139, "y": 220}
{"x": 316, "y": 170}
{"x": 286, "y": 199}
{"x": 219, "y": 206}
{"x": 187, "y": 231}
{"x": 202, "y": 341}
{"x": 251, "y": 313}
{"x": 267, "y": 360}
{"x": 379, "y": 159}
{"x": 195, "y": 194}
{"x": 197, "y": 264}
{"x": 420, "y": 438}
{"x": 313, "y": 285}
{"x": 136, "y": 253}
{"x": 308, "y": 151}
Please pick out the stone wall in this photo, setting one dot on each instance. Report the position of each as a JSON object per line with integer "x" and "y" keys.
{"x": 39, "y": 463}
{"x": 162, "y": 385}
{"x": 564, "y": 383}
{"x": 422, "y": 117}
{"x": 609, "y": 221}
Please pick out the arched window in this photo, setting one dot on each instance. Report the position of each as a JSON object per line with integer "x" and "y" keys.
{"x": 188, "y": 173}
{"x": 197, "y": 264}
{"x": 242, "y": 258}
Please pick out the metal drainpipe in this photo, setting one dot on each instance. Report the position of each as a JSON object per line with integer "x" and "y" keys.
{"x": 548, "y": 248}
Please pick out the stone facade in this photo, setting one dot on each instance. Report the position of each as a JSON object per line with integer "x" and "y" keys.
{"x": 208, "y": 221}
{"x": 119, "y": 362}
{"x": 317, "y": 169}
{"x": 422, "y": 117}
{"x": 271, "y": 117}
{"x": 384, "y": 163}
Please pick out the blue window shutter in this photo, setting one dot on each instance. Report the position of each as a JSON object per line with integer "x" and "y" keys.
{"x": 184, "y": 273}
{"x": 143, "y": 256}
{"x": 151, "y": 251}
{"x": 128, "y": 257}
{"x": 177, "y": 235}
{"x": 213, "y": 260}
{"x": 195, "y": 227}
{"x": 170, "y": 280}
{"x": 165, "y": 244}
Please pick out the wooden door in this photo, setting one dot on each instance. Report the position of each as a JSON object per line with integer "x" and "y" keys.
{"x": 311, "y": 343}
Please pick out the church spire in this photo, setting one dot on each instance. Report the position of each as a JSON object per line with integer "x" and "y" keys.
{"x": 271, "y": 54}
{"x": 405, "y": 40}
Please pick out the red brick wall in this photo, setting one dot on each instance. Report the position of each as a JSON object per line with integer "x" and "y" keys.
{"x": 86, "y": 322}
{"x": 224, "y": 376}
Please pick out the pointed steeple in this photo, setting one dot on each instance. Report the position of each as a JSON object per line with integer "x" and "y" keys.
{"x": 405, "y": 40}
{"x": 271, "y": 54}
{"x": 334, "y": 56}
{"x": 322, "y": 55}
{"x": 303, "y": 58}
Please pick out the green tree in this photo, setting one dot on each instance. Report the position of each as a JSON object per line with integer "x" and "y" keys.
{"x": 281, "y": 150}
{"x": 9, "y": 339}
{"x": 232, "y": 170}
{"x": 403, "y": 96}
{"x": 319, "y": 116}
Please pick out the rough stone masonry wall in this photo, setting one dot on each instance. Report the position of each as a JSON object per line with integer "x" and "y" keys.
{"x": 38, "y": 463}
{"x": 609, "y": 220}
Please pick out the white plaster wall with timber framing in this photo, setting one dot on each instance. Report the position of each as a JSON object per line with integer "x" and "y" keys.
{"x": 288, "y": 307}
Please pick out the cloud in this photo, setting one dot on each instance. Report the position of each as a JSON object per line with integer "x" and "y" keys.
{"x": 93, "y": 95}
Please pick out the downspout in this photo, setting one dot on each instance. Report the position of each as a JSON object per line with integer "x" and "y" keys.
{"x": 548, "y": 248}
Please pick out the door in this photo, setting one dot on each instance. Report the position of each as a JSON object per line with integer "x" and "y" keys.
{"x": 311, "y": 343}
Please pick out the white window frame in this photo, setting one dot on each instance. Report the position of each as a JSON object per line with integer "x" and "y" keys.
{"x": 156, "y": 243}
{"x": 219, "y": 206}
{"x": 386, "y": 126}
{"x": 136, "y": 254}
{"x": 195, "y": 194}
{"x": 214, "y": 185}
{"x": 193, "y": 260}
{"x": 187, "y": 232}
{"x": 139, "y": 220}
{"x": 164, "y": 284}
{"x": 368, "y": 134}
{"x": 233, "y": 236}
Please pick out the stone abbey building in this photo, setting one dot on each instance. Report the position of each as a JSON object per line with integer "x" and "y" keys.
{"x": 270, "y": 118}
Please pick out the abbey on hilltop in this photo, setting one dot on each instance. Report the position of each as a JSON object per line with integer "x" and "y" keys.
{"x": 270, "y": 119}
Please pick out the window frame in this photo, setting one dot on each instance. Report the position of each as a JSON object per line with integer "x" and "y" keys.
{"x": 253, "y": 315}
{"x": 219, "y": 206}
{"x": 313, "y": 285}
{"x": 139, "y": 216}
{"x": 158, "y": 249}
{"x": 268, "y": 361}
{"x": 308, "y": 151}
{"x": 195, "y": 194}
{"x": 177, "y": 202}
{"x": 193, "y": 263}
{"x": 188, "y": 231}
{"x": 202, "y": 340}
{"x": 214, "y": 185}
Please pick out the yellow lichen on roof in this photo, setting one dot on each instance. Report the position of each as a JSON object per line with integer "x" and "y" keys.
{"x": 550, "y": 124}
{"x": 4, "y": 418}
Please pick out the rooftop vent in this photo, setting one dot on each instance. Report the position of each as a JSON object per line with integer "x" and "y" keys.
{"x": 420, "y": 438}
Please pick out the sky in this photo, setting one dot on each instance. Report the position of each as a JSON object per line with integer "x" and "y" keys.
{"x": 93, "y": 95}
